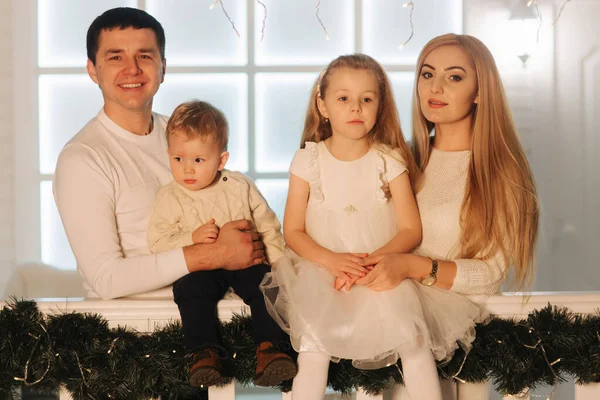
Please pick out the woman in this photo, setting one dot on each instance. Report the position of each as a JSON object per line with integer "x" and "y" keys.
{"x": 475, "y": 190}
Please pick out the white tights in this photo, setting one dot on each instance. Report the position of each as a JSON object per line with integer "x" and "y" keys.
{"x": 419, "y": 369}
{"x": 420, "y": 374}
{"x": 311, "y": 380}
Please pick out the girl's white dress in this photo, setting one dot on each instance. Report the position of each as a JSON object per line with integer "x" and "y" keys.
{"x": 348, "y": 212}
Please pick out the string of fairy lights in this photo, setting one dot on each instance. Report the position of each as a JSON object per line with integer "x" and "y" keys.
{"x": 408, "y": 4}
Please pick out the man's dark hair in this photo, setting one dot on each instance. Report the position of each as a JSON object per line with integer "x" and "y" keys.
{"x": 122, "y": 18}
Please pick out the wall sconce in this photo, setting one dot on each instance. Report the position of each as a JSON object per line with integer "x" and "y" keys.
{"x": 523, "y": 26}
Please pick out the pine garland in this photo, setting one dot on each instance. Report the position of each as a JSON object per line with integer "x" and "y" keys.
{"x": 91, "y": 360}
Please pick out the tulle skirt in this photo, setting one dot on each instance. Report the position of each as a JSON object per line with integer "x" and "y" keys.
{"x": 370, "y": 328}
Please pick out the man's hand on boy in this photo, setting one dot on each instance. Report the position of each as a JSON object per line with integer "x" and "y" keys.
{"x": 241, "y": 244}
{"x": 236, "y": 247}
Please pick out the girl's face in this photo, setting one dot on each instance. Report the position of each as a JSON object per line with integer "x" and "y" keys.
{"x": 351, "y": 102}
{"x": 447, "y": 85}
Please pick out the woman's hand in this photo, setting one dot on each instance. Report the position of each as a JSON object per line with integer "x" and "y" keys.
{"x": 388, "y": 271}
{"x": 345, "y": 265}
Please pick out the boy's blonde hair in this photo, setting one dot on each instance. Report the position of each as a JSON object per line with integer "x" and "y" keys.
{"x": 387, "y": 128}
{"x": 199, "y": 119}
{"x": 500, "y": 211}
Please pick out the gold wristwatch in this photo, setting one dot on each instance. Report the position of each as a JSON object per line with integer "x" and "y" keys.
{"x": 431, "y": 278}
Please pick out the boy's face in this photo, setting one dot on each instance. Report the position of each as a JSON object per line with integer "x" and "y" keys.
{"x": 195, "y": 161}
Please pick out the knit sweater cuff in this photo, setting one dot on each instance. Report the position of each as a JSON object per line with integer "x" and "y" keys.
{"x": 477, "y": 277}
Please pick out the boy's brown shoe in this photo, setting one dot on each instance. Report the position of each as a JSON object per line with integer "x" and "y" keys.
{"x": 273, "y": 366}
{"x": 206, "y": 369}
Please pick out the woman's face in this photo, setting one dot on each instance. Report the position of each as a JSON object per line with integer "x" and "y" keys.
{"x": 447, "y": 85}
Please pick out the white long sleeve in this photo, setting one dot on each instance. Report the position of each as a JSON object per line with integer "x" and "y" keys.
{"x": 475, "y": 276}
{"x": 105, "y": 183}
{"x": 440, "y": 199}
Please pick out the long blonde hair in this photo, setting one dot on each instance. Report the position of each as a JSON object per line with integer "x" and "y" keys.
{"x": 500, "y": 211}
{"x": 387, "y": 128}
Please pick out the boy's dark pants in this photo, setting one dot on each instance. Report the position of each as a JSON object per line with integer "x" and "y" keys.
{"x": 198, "y": 293}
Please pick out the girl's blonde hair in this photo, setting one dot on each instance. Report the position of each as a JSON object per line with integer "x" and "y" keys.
{"x": 387, "y": 128}
{"x": 500, "y": 211}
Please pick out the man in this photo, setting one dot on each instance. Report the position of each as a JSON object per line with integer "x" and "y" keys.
{"x": 107, "y": 175}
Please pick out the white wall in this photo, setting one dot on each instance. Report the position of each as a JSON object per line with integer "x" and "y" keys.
{"x": 530, "y": 95}
{"x": 577, "y": 94}
{"x": 534, "y": 95}
{"x": 556, "y": 108}
{"x": 7, "y": 207}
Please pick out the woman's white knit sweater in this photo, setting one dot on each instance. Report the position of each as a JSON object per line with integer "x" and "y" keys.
{"x": 440, "y": 199}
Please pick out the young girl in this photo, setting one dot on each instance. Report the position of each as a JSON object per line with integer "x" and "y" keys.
{"x": 337, "y": 213}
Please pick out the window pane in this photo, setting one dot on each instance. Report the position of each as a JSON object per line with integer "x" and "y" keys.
{"x": 275, "y": 191}
{"x": 386, "y": 25}
{"x": 67, "y": 103}
{"x": 198, "y": 35}
{"x": 402, "y": 86}
{"x": 281, "y": 101}
{"x": 62, "y": 28}
{"x": 55, "y": 246}
{"x": 227, "y": 92}
{"x": 293, "y": 34}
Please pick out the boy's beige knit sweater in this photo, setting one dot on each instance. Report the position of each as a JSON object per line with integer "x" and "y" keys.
{"x": 179, "y": 211}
